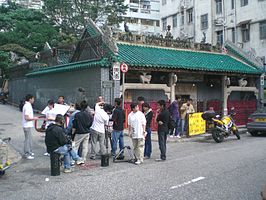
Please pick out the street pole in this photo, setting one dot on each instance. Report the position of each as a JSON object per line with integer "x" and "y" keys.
{"x": 123, "y": 90}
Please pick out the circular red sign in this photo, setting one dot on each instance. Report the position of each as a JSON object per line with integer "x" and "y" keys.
{"x": 124, "y": 67}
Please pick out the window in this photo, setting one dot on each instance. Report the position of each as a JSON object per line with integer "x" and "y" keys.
{"x": 190, "y": 15}
{"x": 147, "y": 22}
{"x": 232, "y": 4}
{"x": 263, "y": 30}
{"x": 157, "y": 23}
{"x": 204, "y": 21}
{"x": 219, "y": 37}
{"x": 133, "y": 10}
{"x": 174, "y": 21}
{"x": 233, "y": 35}
{"x": 245, "y": 32}
{"x": 244, "y": 2}
{"x": 132, "y": 20}
{"x": 164, "y": 2}
{"x": 182, "y": 18}
{"x": 164, "y": 22}
{"x": 219, "y": 7}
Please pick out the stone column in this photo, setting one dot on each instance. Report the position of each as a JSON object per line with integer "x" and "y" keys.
{"x": 172, "y": 84}
{"x": 260, "y": 96}
{"x": 224, "y": 94}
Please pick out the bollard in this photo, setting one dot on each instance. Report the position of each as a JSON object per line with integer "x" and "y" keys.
{"x": 105, "y": 160}
{"x": 55, "y": 164}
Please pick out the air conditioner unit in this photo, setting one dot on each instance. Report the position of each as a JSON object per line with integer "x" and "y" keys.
{"x": 219, "y": 22}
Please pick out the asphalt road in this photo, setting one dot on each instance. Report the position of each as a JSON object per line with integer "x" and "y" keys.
{"x": 196, "y": 169}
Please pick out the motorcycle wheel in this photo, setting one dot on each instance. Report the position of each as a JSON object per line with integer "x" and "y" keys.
{"x": 217, "y": 136}
{"x": 2, "y": 173}
{"x": 237, "y": 134}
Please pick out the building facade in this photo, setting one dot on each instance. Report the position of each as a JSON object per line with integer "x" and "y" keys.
{"x": 31, "y": 4}
{"x": 143, "y": 16}
{"x": 243, "y": 23}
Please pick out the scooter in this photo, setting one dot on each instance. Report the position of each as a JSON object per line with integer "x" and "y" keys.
{"x": 223, "y": 127}
{"x": 4, "y": 161}
{"x": 3, "y": 97}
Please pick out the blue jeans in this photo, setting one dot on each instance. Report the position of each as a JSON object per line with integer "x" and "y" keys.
{"x": 148, "y": 146}
{"x": 117, "y": 136}
{"x": 177, "y": 126}
{"x": 64, "y": 150}
{"x": 182, "y": 126}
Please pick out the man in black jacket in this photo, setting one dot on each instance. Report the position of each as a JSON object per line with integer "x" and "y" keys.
{"x": 56, "y": 141}
{"x": 162, "y": 119}
{"x": 81, "y": 128}
{"x": 118, "y": 119}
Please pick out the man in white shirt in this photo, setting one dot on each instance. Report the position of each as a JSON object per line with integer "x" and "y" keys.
{"x": 27, "y": 123}
{"x": 101, "y": 119}
{"x": 50, "y": 116}
{"x": 136, "y": 130}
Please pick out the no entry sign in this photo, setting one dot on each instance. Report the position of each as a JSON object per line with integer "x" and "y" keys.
{"x": 124, "y": 67}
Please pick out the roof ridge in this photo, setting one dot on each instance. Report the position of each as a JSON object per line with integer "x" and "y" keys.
{"x": 170, "y": 48}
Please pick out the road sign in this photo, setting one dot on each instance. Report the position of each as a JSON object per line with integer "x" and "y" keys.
{"x": 107, "y": 84}
{"x": 116, "y": 71}
{"x": 124, "y": 67}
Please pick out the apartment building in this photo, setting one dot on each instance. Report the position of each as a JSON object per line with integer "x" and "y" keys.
{"x": 143, "y": 16}
{"x": 243, "y": 22}
{"x": 32, "y": 4}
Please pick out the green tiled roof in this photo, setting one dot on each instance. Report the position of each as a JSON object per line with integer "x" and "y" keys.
{"x": 91, "y": 31}
{"x": 237, "y": 54}
{"x": 71, "y": 67}
{"x": 158, "y": 57}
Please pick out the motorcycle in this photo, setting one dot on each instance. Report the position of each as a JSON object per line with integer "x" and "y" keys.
{"x": 222, "y": 127}
{"x": 3, "y": 97}
{"x": 4, "y": 161}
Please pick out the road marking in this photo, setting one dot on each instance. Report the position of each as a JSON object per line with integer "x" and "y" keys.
{"x": 188, "y": 182}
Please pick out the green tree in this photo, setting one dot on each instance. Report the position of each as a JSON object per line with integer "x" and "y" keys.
{"x": 27, "y": 28}
{"x": 72, "y": 15}
{"x": 4, "y": 64}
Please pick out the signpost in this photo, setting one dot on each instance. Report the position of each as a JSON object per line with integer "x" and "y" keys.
{"x": 116, "y": 72}
{"x": 124, "y": 70}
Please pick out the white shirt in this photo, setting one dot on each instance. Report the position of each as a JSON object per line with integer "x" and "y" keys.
{"x": 27, "y": 110}
{"x": 101, "y": 118}
{"x": 136, "y": 121}
{"x": 50, "y": 114}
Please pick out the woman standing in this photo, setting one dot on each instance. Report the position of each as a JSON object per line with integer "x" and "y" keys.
{"x": 148, "y": 115}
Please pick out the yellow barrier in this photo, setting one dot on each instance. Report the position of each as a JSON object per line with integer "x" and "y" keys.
{"x": 196, "y": 125}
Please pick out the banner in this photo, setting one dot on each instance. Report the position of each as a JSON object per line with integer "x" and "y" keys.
{"x": 196, "y": 125}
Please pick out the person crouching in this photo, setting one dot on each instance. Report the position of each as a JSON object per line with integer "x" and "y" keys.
{"x": 56, "y": 141}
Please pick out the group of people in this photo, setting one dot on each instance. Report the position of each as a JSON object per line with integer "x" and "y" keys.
{"x": 179, "y": 113}
{"x": 86, "y": 126}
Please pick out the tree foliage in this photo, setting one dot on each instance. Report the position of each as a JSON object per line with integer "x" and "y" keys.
{"x": 4, "y": 63}
{"x": 27, "y": 28}
{"x": 72, "y": 15}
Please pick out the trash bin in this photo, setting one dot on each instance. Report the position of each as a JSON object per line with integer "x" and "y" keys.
{"x": 55, "y": 164}
{"x": 105, "y": 160}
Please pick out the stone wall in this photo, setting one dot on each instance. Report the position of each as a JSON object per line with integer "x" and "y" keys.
{"x": 50, "y": 86}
